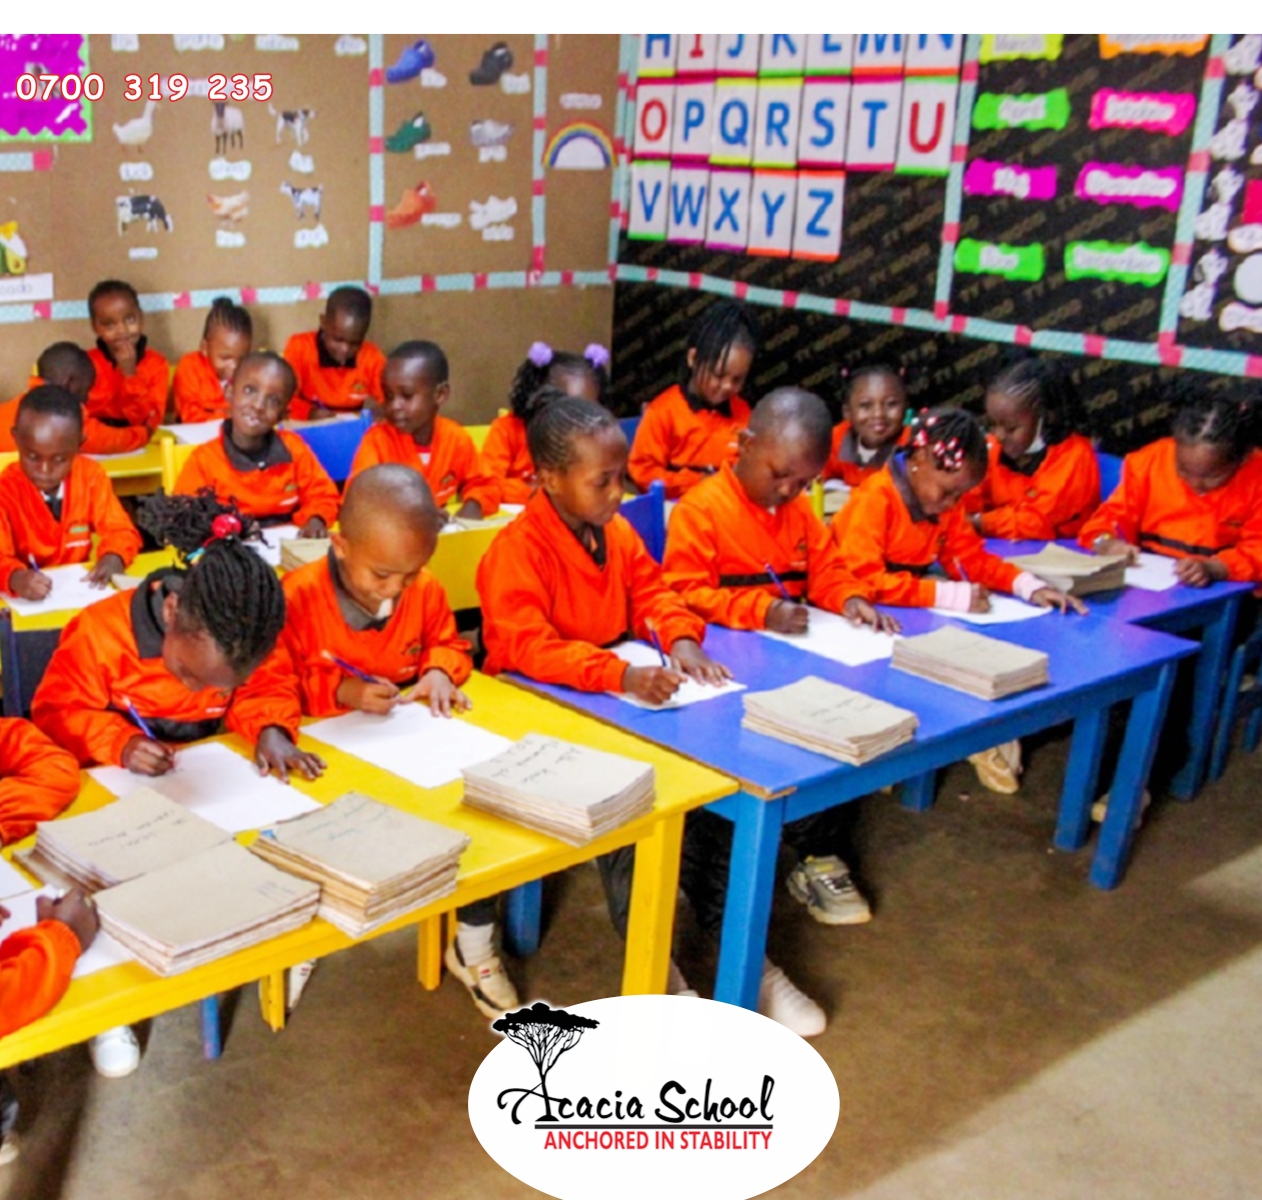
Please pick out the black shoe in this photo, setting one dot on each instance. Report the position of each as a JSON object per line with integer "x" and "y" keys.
{"x": 497, "y": 60}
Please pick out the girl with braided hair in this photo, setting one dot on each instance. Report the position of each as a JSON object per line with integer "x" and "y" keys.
{"x": 204, "y": 377}
{"x": 1195, "y": 496}
{"x": 505, "y": 453}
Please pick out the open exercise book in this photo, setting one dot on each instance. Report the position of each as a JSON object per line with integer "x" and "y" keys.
{"x": 571, "y": 792}
{"x": 373, "y": 862}
{"x": 204, "y": 907}
{"x": 195, "y": 433}
{"x": 1003, "y": 610}
{"x": 70, "y": 592}
{"x": 982, "y": 666}
{"x": 833, "y": 636}
{"x": 640, "y": 654}
{"x": 1074, "y": 573}
{"x": 275, "y": 537}
{"x": 1153, "y": 573}
{"x": 829, "y": 719}
{"x": 297, "y": 552}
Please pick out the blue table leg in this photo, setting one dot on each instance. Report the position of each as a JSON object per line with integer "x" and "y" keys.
{"x": 1211, "y": 666}
{"x": 212, "y": 1031}
{"x": 918, "y": 792}
{"x": 523, "y": 916}
{"x": 1148, "y": 711}
{"x": 1081, "y": 779}
{"x": 751, "y": 878}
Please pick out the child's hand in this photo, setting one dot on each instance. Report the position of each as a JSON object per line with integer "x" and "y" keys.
{"x": 276, "y": 752}
{"x": 143, "y": 756}
{"x": 694, "y": 661}
{"x": 107, "y": 566}
{"x": 73, "y": 909}
{"x": 1115, "y": 545}
{"x": 1199, "y": 572}
{"x": 979, "y": 598}
{"x": 377, "y": 697}
{"x": 786, "y": 617}
{"x": 470, "y": 510}
{"x": 1050, "y": 597}
{"x": 125, "y": 355}
{"x": 320, "y": 413}
{"x": 442, "y": 696}
{"x": 861, "y": 612}
{"x": 314, "y": 528}
{"x": 30, "y": 584}
{"x": 653, "y": 685}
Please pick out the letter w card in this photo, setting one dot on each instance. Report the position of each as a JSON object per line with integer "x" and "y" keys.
{"x": 817, "y": 225}
{"x": 825, "y": 119}
{"x": 689, "y": 197}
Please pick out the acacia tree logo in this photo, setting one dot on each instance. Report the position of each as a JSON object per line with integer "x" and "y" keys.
{"x": 545, "y": 1034}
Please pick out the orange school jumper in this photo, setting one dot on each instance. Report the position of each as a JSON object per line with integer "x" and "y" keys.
{"x": 283, "y": 484}
{"x": 720, "y": 545}
{"x": 890, "y": 544}
{"x": 98, "y": 438}
{"x": 323, "y": 381}
{"x": 1154, "y": 509}
{"x": 110, "y": 654}
{"x": 844, "y": 462}
{"x": 37, "y": 779}
{"x": 139, "y": 399}
{"x": 451, "y": 463}
{"x": 419, "y": 634}
{"x": 28, "y": 528}
{"x": 198, "y": 391}
{"x": 681, "y": 442}
{"x": 1050, "y": 498}
{"x": 506, "y": 457}
{"x": 550, "y": 609}
{"x": 35, "y": 969}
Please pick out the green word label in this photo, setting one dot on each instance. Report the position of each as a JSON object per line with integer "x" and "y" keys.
{"x": 1044, "y": 110}
{"x": 998, "y": 258}
{"x": 1003, "y": 47}
{"x": 1136, "y": 262}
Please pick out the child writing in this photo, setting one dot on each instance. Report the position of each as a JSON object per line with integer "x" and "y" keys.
{"x": 338, "y": 370}
{"x": 689, "y": 431}
{"x": 412, "y": 432}
{"x": 505, "y": 452}
{"x": 1043, "y": 480}
{"x": 872, "y": 424}
{"x": 203, "y": 378}
{"x": 132, "y": 378}
{"x": 270, "y": 473}
{"x": 53, "y": 501}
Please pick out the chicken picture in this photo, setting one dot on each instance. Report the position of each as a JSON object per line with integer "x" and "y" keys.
{"x": 230, "y": 208}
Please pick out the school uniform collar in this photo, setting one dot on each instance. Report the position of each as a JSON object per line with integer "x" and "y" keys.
{"x": 700, "y": 406}
{"x": 273, "y": 454}
{"x": 147, "y": 626}
{"x": 141, "y": 347}
{"x": 590, "y": 537}
{"x": 1027, "y": 464}
{"x": 897, "y": 468}
{"x": 353, "y": 613}
{"x": 327, "y": 360}
{"x": 727, "y": 473}
{"x": 854, "y": 452}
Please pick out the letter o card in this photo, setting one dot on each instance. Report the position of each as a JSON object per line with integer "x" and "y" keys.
{"x": 657, "y": 54}
{"x": 874, "y": 111}
{"x": 771, "y": 204}
{"x": 926, "y": 126}
{"x": 817, "y": 226}
{"x": 650, "y": 201}
{"x": 776, "y": 139}
{"x": 824, "y": 122}
{"x": 694, "y": 118}
{"x": 654, "y": 112}
{"x": 689, "y": 196}
{"x": 732, "y": 132}
{"x": 737, "y": 54}
{"x": 829, "y": 53}
{"x": 728, "y": 227}
{"x": 782, "y": 54}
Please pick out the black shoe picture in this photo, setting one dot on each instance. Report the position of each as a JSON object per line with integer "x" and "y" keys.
{"x": 497, "y": 60}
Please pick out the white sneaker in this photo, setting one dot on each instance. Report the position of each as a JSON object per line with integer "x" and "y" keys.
{"x": 296, "y": 979}
{"x": 8, "y": 1148}
{"x": 115, "y": 1053}
{"x": 781, "y": 1000}
{"x": 487, "y": 981}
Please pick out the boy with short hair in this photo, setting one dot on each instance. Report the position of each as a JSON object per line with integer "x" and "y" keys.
{"x": 132, "y": 379}
{"x": 337, "y": 368}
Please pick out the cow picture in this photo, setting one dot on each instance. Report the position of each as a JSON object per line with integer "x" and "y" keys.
{"x": 148, "y": 209}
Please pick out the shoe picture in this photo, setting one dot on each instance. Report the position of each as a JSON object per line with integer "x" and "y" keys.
{"x": 414, "y": 59}
{"x": 411, "y": 133}
{"x": 490, "y": 133}
{"x": 497, "y": 60}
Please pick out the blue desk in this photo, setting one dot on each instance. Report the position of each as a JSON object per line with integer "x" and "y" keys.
{"x": 1095, "y": 663}
{"x": 1210, "y": 611}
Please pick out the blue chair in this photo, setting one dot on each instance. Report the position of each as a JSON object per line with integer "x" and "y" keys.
{"x": 1110, "y": 473}
{"x": 629, "y": 426}
{"x": 647, "y": 515}
{"x": 334, "y": 443}
{"x": 1235, "y": 703}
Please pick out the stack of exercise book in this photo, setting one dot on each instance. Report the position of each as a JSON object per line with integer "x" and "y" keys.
{"x": 571, "y": 792}
{"x": 373, "y": 862}
{"x": 205, "y": 907}
{"x": 829, "y": 719}
{"x": 969, "y": 662}
{"x": 1074, "y": 573}
{"x": 298, "y": 552}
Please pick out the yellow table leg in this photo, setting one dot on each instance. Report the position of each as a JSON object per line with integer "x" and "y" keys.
{"x": 652, "y": 918}
{"x": 272, "y": 999}
{"x": 429, "y": 952}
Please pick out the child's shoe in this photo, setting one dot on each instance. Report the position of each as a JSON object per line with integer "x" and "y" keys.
{"x": 781, "y": 1000}
{"x": 825, "y": 886}
{"x": 487, "y": 981}
{"x": 999, "y": 768}
{"x": 115, "y": 1053}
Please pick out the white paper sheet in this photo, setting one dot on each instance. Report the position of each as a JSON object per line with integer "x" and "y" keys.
{"x": 12, "y": 881}
{"x": 832, "y": 636}
{"x": 104, "y": 951}
{"x": 513, "y": 510}
{"x": 70, "y": 592}
{"x": 195, "y": 433}
{"x": 270, "y": 553}
{"x": 640, "y": 654}
{"x": 217, "y": 784}
{"x": 409, "y": 742}
{"x": 1153, "y": 573}
{"x": 1003, "y": 611}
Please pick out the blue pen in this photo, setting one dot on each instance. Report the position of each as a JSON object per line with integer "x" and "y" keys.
{"x": 349, "y": 668}
{"x": 657, "y": 645}
{"x": 784, "y": 591}
{"x": 141, "y": 722}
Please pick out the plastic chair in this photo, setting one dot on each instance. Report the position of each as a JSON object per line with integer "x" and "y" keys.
{"x": 1110, "y": 473}
{"x": 1247, "y": 659}
{"x": 647, "y": 515}
{"x": 478, "y": 434}
{"x": 23, "y": 660}
{"x": 629, "y": 426}
{"x": 334, "y": 443}
{"x": 174, "y": 456}
{"x": 9, "y": 456}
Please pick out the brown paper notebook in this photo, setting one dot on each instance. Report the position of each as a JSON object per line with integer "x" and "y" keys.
{"x": 1075, "y": 573}
{"x": 969, "y": 662}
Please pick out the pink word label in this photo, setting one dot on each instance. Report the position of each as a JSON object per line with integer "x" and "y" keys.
{"x": 1144, "y": 187}
{"x": 1157, "y": 112}
{"x": 984, "y": 178}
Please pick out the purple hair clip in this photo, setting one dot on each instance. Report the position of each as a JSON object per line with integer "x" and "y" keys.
{"x": 540, "y": 353}
{"x": 597, "y": 355}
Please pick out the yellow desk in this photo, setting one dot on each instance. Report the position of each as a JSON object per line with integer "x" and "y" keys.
{"x": 136, "y": 474}
{"x": 502, "y": 856}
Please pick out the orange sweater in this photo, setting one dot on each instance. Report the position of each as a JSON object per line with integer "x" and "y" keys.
{"x": 720, "y": 545}
{"x": 1154, "y": 509}
{"x": 1051, "y": 501}
{"x": 681, "y": 445}
{"x": 35, "y": 969}
{"x": 37, "y": 779}
{"x": 549, "y": 611}
{"x": 507, "y": 459}
{"x": 420, "y": 634}
{"x": 139, "y": 399}
{"x": 111, "y": 653}
{"x": 97, "y": 438}
{"x": 844, "y": 462}
{"x": 321, "y": 381}
{"x": 890, "y": 545}
{"x": 29, "y": 530}
{"x": 451, "y": 463}
{"x": 285, "y": 483}
{"x": 199, "y": 394}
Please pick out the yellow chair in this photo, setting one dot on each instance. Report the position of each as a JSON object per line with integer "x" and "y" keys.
{"x": 9, "y": 456}
{"x": 817, "y": 498}
{"x": 174, "y": 456}
{"x": 478, "y": 434}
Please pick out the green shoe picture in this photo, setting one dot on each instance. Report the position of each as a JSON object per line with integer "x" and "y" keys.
{"x": 410, "y": 133}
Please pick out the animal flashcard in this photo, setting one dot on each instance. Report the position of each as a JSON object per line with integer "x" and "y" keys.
{"x": 295, "y": 120}
{"x": 230, "y": 208}
{"x": 148, "y": 209}
{"x": 228, "y": 126}
{"x": 136, "y": 132}
{"x": 305, "y": 199}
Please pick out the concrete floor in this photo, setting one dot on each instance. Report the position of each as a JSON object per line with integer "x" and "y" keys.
{"x": 1001, "y": 1029}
